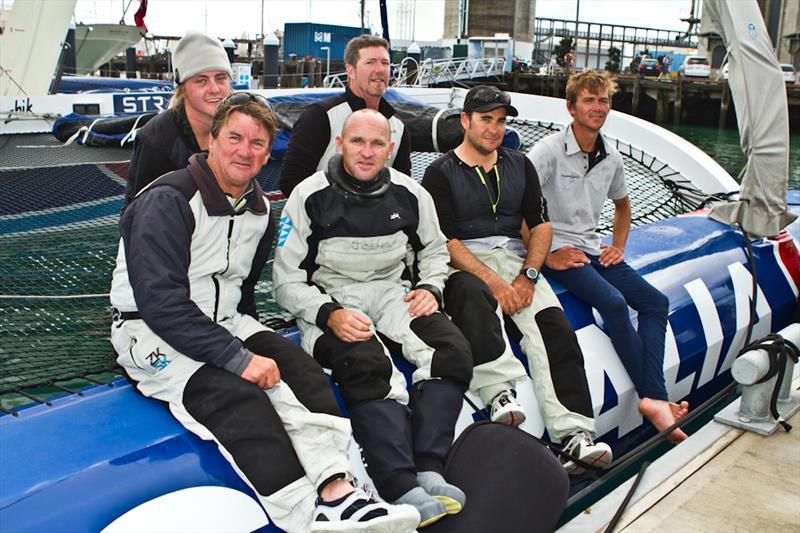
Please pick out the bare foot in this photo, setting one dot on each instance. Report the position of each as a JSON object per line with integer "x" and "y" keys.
{"x": 662, "y": 415}
{"x": 679, "y": 410}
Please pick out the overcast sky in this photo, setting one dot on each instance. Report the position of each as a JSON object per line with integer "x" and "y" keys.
{"x": 233, "y": 18}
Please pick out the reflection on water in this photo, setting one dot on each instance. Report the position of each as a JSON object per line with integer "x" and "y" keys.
{"x": 723, "y": 147}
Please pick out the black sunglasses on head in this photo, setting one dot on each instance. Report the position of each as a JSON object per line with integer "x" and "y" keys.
{"x": 490, "y": 94}
{"x": 244, "y": 97}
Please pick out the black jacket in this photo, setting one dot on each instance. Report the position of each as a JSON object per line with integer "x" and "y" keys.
{"x": 164, "y": 144}
{"x": 314, "y": 131}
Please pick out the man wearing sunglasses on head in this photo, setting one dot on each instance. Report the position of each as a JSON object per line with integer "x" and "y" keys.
{"x": 313, "y": 140}
{"x": 186, "y": 331}
{"x": 485, "y": 196}
{"x": 202, "y": 74}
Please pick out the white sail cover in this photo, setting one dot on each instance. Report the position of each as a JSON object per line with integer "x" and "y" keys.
{"x": 30, "y": 45}
{"x": 759, "y": 95}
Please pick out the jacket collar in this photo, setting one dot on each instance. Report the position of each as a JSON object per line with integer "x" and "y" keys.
{"x": 214, "y": 198}
{"x": 356, "y": 103}
{"x": 185, "y": 129}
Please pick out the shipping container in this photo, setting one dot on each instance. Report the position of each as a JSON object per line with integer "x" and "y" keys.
{"x": 306, "y": 39}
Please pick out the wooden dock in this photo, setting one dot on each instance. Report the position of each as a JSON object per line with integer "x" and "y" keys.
{"x": 664, "y": 101}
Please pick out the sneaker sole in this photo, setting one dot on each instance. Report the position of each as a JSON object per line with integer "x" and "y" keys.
{"x": 383, "y": 524}
{"x": 452, "y": 506}
{"x": 431, "y": 520}
{"x": 602, "y": 459}
{"x": 508, "y": 419}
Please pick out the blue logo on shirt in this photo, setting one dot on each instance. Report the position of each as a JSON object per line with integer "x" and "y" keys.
{"x": 284, "y": 229}
{"x": 158, "y": 360}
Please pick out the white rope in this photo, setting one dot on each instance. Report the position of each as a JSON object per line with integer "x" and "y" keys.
{"x": 131, "y": 134}
{"x": 434, "y": 128}
{"x": 88, "y": 131}
{"x": 75, "y": 136}
{"x": 54, "y": 297}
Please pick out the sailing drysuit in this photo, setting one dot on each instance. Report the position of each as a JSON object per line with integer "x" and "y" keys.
{"x": 185, "y": 327}
{"x": 362, "y": 246}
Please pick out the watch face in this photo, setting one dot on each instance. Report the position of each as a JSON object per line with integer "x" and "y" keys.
{"x": 531, "y": 273}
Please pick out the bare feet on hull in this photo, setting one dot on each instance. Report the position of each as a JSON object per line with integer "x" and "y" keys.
{"x": 663, "y": 414}
{"x": 679, "y": 410}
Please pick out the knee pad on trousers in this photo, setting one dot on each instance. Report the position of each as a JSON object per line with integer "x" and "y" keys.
{"x": 361, "y": 369}
{"x": 241, "y": 418}
{"x": 452, "y": 356}
{"x": 473, "y": 309}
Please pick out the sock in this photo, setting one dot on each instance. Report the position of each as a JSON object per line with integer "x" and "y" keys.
{"x": 430, "y": 509}
{"x": 451, "y": 496}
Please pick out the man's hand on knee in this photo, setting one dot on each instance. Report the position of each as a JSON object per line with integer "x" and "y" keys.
{"x": 505, "y": 295}
{"x": 524, "y": 288}
{"x": 350, "y": 326}
{"x": 262, "y": 371}
{"x": 423, "y": 302}
{"x": 610, "y": 255}
{"x": 567, "y": 257}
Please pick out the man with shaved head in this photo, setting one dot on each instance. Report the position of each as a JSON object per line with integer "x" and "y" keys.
{"x": 361, "y": 262}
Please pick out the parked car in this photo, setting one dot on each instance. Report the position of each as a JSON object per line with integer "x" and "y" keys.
{"x": 649, "y": 67}
{"x": 789, "y": 73}
{"x": 695, "y": 67}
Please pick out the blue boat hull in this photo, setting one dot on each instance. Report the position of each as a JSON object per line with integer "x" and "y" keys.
{"x": 87, "y": 460}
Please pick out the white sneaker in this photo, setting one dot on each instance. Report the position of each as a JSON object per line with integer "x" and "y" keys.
{"x": 584, "y": 448}
{"x": 359, "y": 511}
{"x": 506, "y": 410}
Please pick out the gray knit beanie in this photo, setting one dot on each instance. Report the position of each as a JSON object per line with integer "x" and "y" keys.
{"x": 196, "y": 53}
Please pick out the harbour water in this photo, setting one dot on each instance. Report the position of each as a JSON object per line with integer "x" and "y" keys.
{"x": 723, "y": 146}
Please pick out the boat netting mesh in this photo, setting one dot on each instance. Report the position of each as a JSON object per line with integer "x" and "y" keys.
{"x": 59, "y": 209}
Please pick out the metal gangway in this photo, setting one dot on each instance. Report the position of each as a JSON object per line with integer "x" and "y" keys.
{"x": 411, "y": 73}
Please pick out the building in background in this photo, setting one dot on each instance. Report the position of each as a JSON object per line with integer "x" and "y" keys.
{"x": 494, "y": 22}
{"x": 782, "y": 19}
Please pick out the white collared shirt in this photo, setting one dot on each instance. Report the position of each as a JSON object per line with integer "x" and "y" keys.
{"x": 575, "y": 194}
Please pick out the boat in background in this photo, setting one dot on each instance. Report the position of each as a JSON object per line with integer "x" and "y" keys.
{"x": 96, "y": 44}
{"x": 33, "y": 40}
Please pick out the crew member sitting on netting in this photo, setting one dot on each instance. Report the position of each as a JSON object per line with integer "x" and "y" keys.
{"x": 578, "y": 169}
{"x": 185, "y": 330}
{"x": 360, "y": 254}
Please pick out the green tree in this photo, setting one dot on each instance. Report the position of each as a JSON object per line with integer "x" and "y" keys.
{"x": 562, "y": 48}
{"x": 614, "y": 59}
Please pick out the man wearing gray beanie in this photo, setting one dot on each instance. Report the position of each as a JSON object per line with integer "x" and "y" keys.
{"x": 202, "y": 74}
